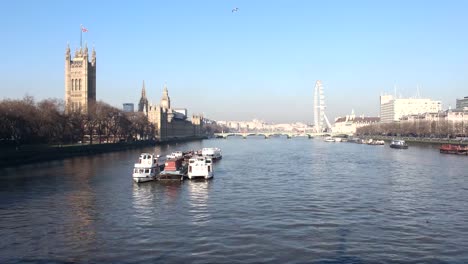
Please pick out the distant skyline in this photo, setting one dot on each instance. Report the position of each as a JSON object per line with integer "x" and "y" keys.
{"x": 260, "y": 61}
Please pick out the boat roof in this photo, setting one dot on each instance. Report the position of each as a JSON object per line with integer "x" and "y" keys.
{"x": 146, "y": 154}
{"x": 200, "y": 158}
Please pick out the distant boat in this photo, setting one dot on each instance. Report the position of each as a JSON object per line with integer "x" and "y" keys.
{"x": 376, "y": 142}
{"x": 329, "y": 139}
{"x": 175, "y": 155}
{"x": 454, "y": 149}
{"x": 398, "y": 144}
{"x": 213, "y": 153}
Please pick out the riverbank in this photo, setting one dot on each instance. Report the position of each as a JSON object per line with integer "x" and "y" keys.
{"x": 14, "y": 156}
{"x": 431, "y": 141}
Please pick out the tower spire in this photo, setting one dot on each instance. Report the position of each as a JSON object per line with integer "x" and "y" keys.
{"x": 67, "y": 51}
{"x": 143, "y": 105}
{"x": 143, "y": 90}
{"x": 93, "y": 56}
{"x": 166, "y": 100}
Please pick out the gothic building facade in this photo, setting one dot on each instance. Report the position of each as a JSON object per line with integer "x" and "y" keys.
{"x": 80, "y": 80}
{"x": 170, "y": 123}
{"x": 143, "y": 104}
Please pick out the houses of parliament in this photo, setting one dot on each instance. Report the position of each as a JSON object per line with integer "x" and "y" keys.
{"x": 80, "y": 94}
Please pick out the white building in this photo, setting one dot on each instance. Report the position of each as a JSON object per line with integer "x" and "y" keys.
{"x": 454, "y": 122}
{"x": 349, "y": 123}
{"x": 392, "y": 109}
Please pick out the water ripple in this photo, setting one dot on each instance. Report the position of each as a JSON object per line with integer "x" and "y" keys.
{"x": 276, "y": 200}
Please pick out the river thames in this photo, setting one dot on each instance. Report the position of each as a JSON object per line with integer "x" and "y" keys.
{"x": 278, "y": 201}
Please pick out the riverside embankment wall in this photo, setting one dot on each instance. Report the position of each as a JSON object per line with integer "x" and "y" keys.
{"x": 11, "y": 156}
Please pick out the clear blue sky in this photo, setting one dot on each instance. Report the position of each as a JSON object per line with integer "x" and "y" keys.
{"x": 260, "y": 62}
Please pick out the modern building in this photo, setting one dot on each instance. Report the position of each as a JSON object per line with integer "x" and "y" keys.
{"x": 80, "y": 80}
{"x": 462, "y": 103}
{"x": 171, "y": 123}
{"x": 392, "y": 109}
{"x": 128, "y": 107}
{"x": 349, "y": 123}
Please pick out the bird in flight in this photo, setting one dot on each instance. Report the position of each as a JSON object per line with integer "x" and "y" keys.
{"x": 235, "y": 10}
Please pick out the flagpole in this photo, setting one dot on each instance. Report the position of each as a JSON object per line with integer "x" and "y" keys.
{"x": 81, "y": 35}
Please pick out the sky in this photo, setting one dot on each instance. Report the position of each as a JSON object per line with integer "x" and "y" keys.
{"x": 259, "y": 62}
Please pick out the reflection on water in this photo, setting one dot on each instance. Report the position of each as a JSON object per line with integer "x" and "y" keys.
{"x": 144, "y": 196}
{"x": 198, "y": 194}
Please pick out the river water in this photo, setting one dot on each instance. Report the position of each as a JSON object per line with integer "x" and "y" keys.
{"x": 278, "y": 200}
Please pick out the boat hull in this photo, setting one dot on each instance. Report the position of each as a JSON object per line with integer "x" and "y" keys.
{"x": 198, "y": 176}
{"x": 171, "y": 176}
{"x": 454, "y": 149}
{"x": 398, "y": 147}
{"x": 139, "y": 179}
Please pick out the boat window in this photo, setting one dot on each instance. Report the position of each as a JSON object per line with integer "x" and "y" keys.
{"x": 147, "y": 171}
{"x": 209, "y": 168}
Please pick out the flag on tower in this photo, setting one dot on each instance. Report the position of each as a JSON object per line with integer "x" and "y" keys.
{"x": 83, "y": 29}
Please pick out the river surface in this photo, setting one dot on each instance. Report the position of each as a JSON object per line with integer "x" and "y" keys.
{"x": 278, "y": 201}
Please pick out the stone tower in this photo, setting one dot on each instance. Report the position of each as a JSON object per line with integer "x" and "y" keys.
{"x": 80, "y": 80}
{"x": 143, "y": 104}
{"x": 165, "y": 100}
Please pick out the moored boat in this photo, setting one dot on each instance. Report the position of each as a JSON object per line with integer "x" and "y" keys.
{"x": 213, "y": 153}
{"x": 175, "y": 155}
{"x": 398, "y": 144}
{"x": 376, "y": 142}
{"x": 454, "y": 149}
{"x": 146, "y": 169}
{"x": 200, "y": 167}
{"x": 329, "y": 139}
{"x": 174, "y": 169}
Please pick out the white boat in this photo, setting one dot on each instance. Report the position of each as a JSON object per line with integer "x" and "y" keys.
{"x": 375, "y": 142}
{"x": 175, "y": 155}
{"x": 146, "y": 169}
{"x": 378, "y": 143}
{"x": 329, "y": 139}
{"x": 398, "y": 144}
{"x": 200, "y": 167}
{"x": 213, "y": 153}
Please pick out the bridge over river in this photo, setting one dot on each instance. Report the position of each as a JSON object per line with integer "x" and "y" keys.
{"x": 267, "y": 135}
